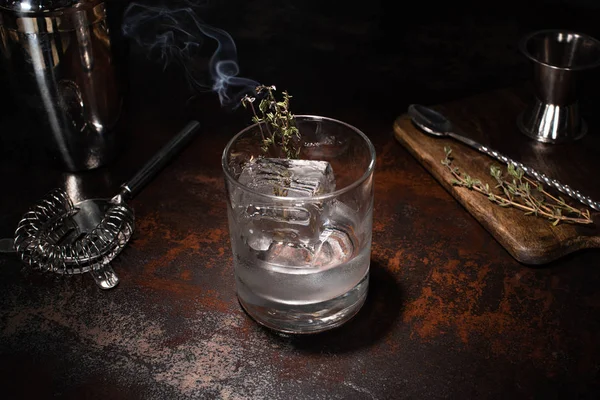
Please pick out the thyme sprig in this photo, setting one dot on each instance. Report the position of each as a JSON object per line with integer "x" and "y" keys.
{"x": 514, "y": 189}
{"x": 276, "y": 123}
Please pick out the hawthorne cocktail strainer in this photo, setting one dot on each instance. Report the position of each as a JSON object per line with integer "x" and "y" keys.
{"x": 59, "y": 236}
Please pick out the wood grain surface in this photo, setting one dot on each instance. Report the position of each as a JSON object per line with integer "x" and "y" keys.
{"x": 490, "y": 119}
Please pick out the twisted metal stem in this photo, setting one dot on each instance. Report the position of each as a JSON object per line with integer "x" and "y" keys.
{"x": 561, "y": 187}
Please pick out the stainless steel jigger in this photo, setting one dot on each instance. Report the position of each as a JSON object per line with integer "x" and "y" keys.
{"x": 559, "y": 58}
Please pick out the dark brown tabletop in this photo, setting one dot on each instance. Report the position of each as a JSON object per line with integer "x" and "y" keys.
{"x": 450, "y": 314}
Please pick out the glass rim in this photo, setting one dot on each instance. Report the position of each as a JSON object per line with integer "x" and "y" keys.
{"x": 369, "y": 170}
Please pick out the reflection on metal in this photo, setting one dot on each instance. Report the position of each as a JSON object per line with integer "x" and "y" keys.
{"x": 552, "y": 123}
{"x": 63, "y": 75}
{"x": 558, "y": 57}
{"x": 73, "y": 185}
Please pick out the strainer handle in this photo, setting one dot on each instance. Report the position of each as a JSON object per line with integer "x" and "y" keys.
{"x": 160, "y": 159}
{"x": 105, "y": 277}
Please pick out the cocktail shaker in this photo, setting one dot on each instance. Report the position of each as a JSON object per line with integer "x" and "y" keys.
{"x": 58, "y": 59}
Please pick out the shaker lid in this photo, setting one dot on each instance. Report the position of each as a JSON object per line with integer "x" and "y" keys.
{"x": 36, "y": 6}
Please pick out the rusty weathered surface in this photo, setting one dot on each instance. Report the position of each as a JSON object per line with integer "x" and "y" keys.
{"x": 449, "y": 314}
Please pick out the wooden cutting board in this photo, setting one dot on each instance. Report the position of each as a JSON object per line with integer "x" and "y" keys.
{"x": 490, "y": 119}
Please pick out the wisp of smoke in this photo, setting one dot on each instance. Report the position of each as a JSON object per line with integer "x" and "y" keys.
{"x": 176, "y": 35}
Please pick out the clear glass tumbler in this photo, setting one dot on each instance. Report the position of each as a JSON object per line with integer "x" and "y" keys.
{"x": 301, "y": 229}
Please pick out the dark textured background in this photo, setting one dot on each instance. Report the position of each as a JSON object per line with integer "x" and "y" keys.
{"x": 384, "y": 53}
{"x": 449, "y": 315}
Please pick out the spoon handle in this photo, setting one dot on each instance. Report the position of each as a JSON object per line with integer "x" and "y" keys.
{"x": 566, "y": 189}
{"x": 160, "y": 159}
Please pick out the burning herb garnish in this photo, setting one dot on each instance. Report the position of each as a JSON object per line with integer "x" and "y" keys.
{"x": 519, "y": 192}
{"x": 276, "y": 123}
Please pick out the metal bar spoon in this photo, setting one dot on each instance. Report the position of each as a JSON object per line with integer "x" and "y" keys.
{"x": 436, "y": 124}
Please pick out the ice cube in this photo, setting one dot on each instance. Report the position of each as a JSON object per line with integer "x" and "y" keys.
{"x": 334, "y": 246}
{"x": 280, "y": 223}
{"x": 288, "y": 178}
{"x": 264, "y": 224}
{"x": 266, "y": 221}
{"x": 257, "y": 240}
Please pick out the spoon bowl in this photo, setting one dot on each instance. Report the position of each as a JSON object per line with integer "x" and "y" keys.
{"x": 429, "y": 120}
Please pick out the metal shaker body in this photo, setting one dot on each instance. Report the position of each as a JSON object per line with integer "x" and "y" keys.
{"x": 61, "y": 67}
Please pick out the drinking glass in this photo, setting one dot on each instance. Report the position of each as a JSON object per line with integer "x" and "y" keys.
{"x": 301, "y": 229}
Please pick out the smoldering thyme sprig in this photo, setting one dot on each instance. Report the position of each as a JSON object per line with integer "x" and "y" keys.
{"x": 514, "y": 189}
{"x": 276, "y": 123}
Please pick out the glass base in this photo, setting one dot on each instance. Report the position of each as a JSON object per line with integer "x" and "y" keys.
{"x": 304, "y": 319}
